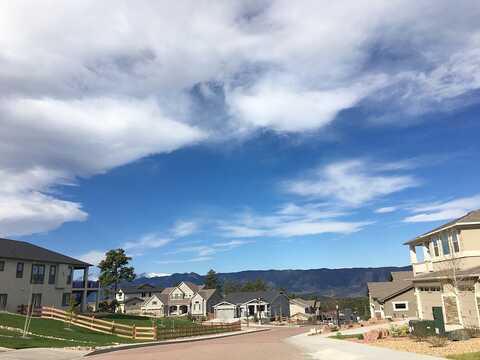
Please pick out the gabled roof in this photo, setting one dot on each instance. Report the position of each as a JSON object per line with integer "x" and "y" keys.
{"x": 244, "y": 297}
{"x": 384, "y": 290}
{"x": 133, "y": 299}
{"x": 160, "y": 297}
{"x": 194, "y": 287}
{"x": 21, "y": 250}
{"x": 303, "y": 302}
{"x": 472, "y": 218}
{"x": 136, "y": 289}
{"x": 207, "y": 293}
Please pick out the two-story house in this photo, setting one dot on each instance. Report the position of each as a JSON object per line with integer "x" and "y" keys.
{"x": 446, "y": 270}
{"x": 32, "y": 275}
{"x": 130, "y": 298}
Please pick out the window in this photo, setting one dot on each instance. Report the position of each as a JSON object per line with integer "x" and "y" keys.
{"x": 52, "y": 275}
{"x": 37, "y": 300}
{"x": 19, "y": 270}
{"x": 2, "y": 265}
{"x": 3, "y": 302}
{"x": 38, "y": 274}
{"x": 70, "y": 275}
{"x": 445, "y": 247}
{"x": 154, "y": 303}
{"x": 149, "y": 294}
{"x": 400, "y": 306}
{"x": 455, "y": 244}
{"x": 436, "y": 250}
{"x": 66, "y": 299}
{"x": 143, "y": 294}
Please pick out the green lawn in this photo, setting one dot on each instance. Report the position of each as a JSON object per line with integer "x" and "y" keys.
{"x": 14, "y": 340}
{"x": 467, "y": 356}
{"x": 167, "y": 323}
{"x": 80, "y": 336}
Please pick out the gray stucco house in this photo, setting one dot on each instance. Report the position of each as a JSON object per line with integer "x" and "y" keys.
{"x": 258, "y": 304}
{"x": 394, "y": 298}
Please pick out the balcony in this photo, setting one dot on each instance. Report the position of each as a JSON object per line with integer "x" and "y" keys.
{"x": 91, "y": 285}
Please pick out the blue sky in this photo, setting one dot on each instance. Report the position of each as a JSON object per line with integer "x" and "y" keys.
{"x": 254, "y": 135}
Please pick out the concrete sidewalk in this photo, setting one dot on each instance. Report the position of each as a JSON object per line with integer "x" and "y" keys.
{"x": 42, "y": 354}
{"x": 322, "y": 348}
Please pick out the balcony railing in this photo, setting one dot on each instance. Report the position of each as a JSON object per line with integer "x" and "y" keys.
{"x": 79, "y": 284}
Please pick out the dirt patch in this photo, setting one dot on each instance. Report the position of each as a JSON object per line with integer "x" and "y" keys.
{"x": 409, "y": 345}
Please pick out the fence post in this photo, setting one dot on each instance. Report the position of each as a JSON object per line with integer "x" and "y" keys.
{"x": 155, "y": 334}
{"x": 134, "y": 331}
{"x": 93, "y": 319}
{"x": 113, "y": 326}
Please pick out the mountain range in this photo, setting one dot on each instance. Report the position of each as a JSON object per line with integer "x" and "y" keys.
{"x": 343, "y": 282}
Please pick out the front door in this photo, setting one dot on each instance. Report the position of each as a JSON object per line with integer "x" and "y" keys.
{"x": 3, "y": 302}
{"x": 438, "y": 319}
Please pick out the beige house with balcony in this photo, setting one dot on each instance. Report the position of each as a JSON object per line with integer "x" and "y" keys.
{"x": 32, "y": 275}
{"x": 446, "y": 271}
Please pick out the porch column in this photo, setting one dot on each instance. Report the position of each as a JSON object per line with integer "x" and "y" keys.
{"x": 83, "y": 306}
{"x": 413, "y": 254}
{"x": 426, "y": 251}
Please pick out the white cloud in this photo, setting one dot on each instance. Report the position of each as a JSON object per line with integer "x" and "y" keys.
{"x": 184, "y": 228}
{"x": 304, "y": 221}
{"x": 211, "y": 249}
{"x": 188, "y": 260}
{"x": 93, "y": 257}
{"x": 444, "y": 210}
{"x": 155, "y": 274}
{"x": 352, "y": 182}
{"x": 89, "y": 97}
{"x": 386, "y": 209}
{"x": 148, "y": 241}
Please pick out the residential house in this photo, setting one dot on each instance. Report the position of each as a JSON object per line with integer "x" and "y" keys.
{"x": 140, "y": 292}
{"x": 257, "y": 304}
{"x": 189, "y": 298}
{"x": 33, "y": 275}
{"x": 393, "y": 299}
{"x": 446, "y": 269}
{"x": 156, "y": 305}
{"x": 303, "y": 309}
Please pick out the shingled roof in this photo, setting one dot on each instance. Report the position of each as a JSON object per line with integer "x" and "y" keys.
{"x": 473, "y": 217}
{"x": 14, "y": 249}
{"x": 243, "y": 297}
{"x": 384, "y": 290}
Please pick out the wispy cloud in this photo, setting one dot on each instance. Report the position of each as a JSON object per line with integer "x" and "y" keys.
{"x": 351, "y": 182}
{"x": 181, "y": 261}
{"x": 93, "y": 257}
{"x": 289, "y": 221}
{"x": 184, "y": 228}
{"x": 444, "y": 210}
{"x": 211, "y": 249}
{"x": 148, "y": 241}
{"x": 386, "y": 209}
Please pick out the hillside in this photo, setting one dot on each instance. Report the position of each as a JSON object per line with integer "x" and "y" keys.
{"x": 345, "y": 282}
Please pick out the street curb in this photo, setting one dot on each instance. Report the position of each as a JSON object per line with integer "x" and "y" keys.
{"x": 169, "y": 342}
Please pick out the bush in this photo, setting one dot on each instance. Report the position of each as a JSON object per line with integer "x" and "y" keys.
{"x": 458, "y": 335}
{"x": 422, "y": 329}
{"x": 399, "y": 330}
{"x": 437, "y": 341}
{"x": 473, "y": 332}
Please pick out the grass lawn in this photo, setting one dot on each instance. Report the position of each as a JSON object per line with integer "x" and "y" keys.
{"x": 467, "y": 356}
{"x": 167, "y": 323}
{"x": 14, "y": 340}
{"x": 80, "y": 336}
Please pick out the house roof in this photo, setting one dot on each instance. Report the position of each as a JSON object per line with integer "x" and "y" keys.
{"x": 384, "y": 290}
{"x": 303, "y": 302}
{"x": 447, "y": 273}
{"x": 472, "y": 218}
{"x": 134, "y": 289}
{"x": 192, "y": 286}
{"x": 207, "y": 293}
{"x": 243, "y": 297}
{"x": 14, "y": 249}
{"x": 133, "y": 299}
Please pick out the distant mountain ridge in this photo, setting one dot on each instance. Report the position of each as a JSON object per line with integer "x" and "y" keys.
{"x": 344, "y": 282}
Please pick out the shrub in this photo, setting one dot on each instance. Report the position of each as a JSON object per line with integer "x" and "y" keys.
{"x": 473, "y": 332}
{"x": 437, "y": 341}
{"x": 458, "y": 335}
{"x": 399, "y": 330}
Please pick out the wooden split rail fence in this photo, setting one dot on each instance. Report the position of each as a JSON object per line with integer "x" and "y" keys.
{"x": 136, "y": 332}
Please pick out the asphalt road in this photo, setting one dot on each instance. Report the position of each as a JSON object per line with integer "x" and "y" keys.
{"x": 265, "y": 345}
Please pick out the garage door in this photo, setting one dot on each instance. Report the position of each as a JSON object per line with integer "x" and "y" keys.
{"x": 225, "y": 314}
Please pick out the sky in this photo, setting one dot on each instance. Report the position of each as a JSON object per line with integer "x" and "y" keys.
{"x": 237, "y": 135}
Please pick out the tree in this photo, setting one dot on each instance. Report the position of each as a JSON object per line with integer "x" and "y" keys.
{"x": 114, "y": 269}
{"x": 230, "y": 286}
{"x": 257, "y": 285}
{"x": 211, "y": 280}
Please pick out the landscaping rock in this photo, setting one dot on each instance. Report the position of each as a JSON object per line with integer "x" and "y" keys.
{"x": 371, "y": 336}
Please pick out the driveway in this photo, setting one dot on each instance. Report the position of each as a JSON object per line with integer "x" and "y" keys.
{"x": 322, "y": 348}
{"x": 265, "y": 345}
